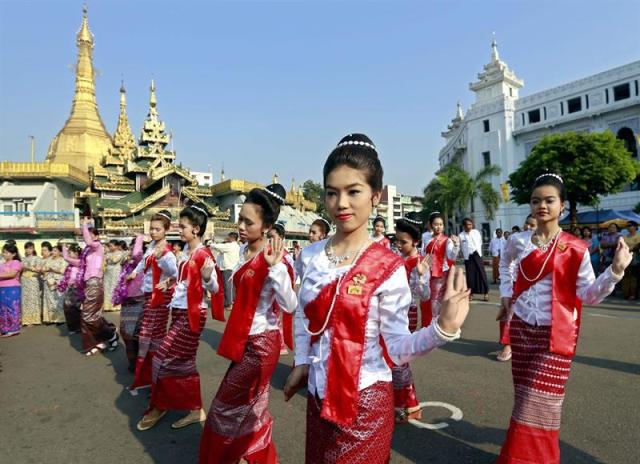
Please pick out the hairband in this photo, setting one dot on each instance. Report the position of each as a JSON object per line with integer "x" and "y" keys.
{"x": 275, "y": 195}
{"x": 326, "y": 222}
{"x": 200, "y": 209}
{"x": 549, "y": 174}
{"x": 412, "y": 221}
{"x": 164, "y": 215}
{"x": 356, "y": 142}
{"x": 435, "y": 212}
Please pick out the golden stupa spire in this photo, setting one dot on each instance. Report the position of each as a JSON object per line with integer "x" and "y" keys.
{"x": 83, "y": 140}
{"x": 123, "y": 140}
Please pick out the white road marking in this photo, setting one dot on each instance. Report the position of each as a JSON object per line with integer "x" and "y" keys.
{"x": 456, "y": 415}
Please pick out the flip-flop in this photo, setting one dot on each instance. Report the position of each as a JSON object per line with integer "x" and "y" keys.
{"x": 502, "y": 358}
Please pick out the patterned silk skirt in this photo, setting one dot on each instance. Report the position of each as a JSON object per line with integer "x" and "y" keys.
{"x": 130, "y": 322}
{"x": 367, "y": 441}
{"x": 52, "y": 311}
{"x": 95, "y": 328}
{"x": 9, "y": 310}
{"x": 71, "y": 306}
{"x": 539, "y": 379}
{"x": 31, "y": 299}
{"x": 153, "y": 328}
{"x": 239, "y": 424}
{"x": 175, "y": 379}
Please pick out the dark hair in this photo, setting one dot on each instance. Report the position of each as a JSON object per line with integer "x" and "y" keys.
{"x": 269, "y": 199}
{"x": 632, "y": 224}
{"x": 615, "y": 225}
{"x": 46, "y": 245}
{"x": 406, "y": 225}
{"x": 12, "y": 248}
{"x": 498, "y": 230}
{"x": 553, "y": 180}
{"x": 356, "y": 151}
{"x": 123, "y": 245}
{"x": 434, "y": 216}
{"x": 75, "y": 248}
{"x": 588, "y": 229}
{"x": 163, "y": 216}
{"x": 31, "y": 245}
{"x": 113, "y": 242}
{"x": 380, "y": 219}
{"x": 94, "y": 231}
{"x": 197, "y": 214}
{"x": 234, "y": 235}
{"x": 279, "y": 228}
{"x": 58, "y": 247}
{"x": 515, "y": 229}
{"x": 323, "y": 224}
{"x": 468, "y": 219}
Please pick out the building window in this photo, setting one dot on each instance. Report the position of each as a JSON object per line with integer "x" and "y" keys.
{"x": 544, "y": 109}
{"x": 485, "y": 123}
{"x": 534, "y": 116}
{"x": 8, "y": 208}
{"x": 511, "y": 91}
{"x": 561, "y": 108}
{"x": 626, "y": 135}
{"x": 636, "y": 84}
{"x": 586, "y": 101}
{"x": 606, "y": 95}
{"x": 621, "y": 92}
{"x": 486, "y": 158}
{"x": 574, "y": 105}
{"x": 523, "y": 119}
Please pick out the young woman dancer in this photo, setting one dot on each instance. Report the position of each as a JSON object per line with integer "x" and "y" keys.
{"x": 68, "y": 288}
{"x": 554, "y": 278}
{"x": 239, "y": 425}
{"x": 10, "y": 270}
{"x": 417, "y": 267}
{"x": 442, "y": 252}
{"x": 128, "y": 295}
{"x": 158, "y": 264}
{"x": 355, "y": 296}
{"x": 97, "y": 333}
{"x": 176, "y": 382}
{"x": 379, "y": 228}
{"x": 52, "y": 271}
{"x": 319, "y": 230}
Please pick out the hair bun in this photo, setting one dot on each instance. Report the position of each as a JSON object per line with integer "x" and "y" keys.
{"x": 165, "y": 213}
{"x": 277, "y": 192}
{"x": 358, "y": 140}
{"x": 413, "y": 217}
{"x": 201, "y": 208}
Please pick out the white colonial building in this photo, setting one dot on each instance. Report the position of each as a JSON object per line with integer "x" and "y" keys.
{"x": 502, "y": 128}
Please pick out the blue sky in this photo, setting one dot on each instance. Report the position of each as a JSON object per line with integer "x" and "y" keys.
{"x": 268, "y": 86}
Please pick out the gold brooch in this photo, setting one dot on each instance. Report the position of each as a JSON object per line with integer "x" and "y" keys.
{"x": 358, "y": 282}
{"x": 250, "y": 273}
{"x": 562, "y": 246}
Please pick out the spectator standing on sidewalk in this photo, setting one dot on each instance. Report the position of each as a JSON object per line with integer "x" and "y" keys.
{"x": 229, "y": 252}
{"x": 495, "y": 247}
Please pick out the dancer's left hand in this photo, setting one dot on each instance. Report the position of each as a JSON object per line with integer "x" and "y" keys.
{"x": 274, "y": 251}
{"x": 424, "y": 265}
{"x": 455, "y": 304}
{"x": 622, "y": 257}
{"x": 207, "y": 269}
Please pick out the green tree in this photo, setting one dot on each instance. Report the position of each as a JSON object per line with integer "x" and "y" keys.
{"x": 313, "y": 191}
{"x": 591, "y": 164}
{"x": 453, "y": 190}
{"x": 637, "y": 208}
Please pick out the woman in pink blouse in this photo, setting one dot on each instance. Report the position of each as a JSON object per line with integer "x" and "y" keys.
{"x": 10, "y": 291}
{"x": 97, "y": 333}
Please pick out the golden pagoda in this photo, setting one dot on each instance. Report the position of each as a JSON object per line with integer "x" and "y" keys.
{"x": 83, "y": 140}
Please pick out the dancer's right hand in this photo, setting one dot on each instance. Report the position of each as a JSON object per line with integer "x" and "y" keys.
{"x": 296, "y": 380}
{"x": 132, "y": 275}
{"x": 505, "y": 309}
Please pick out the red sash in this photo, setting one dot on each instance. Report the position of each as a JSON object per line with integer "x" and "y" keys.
{"x": 248, "y": 282}
{"x": 437, "y": 248}
{"x": 563, "y": 267}
{"x": 287, "y": 318}
{"x": 348, "y": 322}
{"x": 410, "y": 264}
{"x": 156, "y": 273}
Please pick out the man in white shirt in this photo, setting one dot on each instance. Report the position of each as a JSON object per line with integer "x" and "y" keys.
{"x": 471, "y": 246}
{"x": 229, "y": 253}
{"x": 495, "y": 247}
{"x": 426, "y": 237}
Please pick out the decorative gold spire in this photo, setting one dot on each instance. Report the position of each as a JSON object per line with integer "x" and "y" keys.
{"x": 123, "y": 141}
{"x": 459, "y": 113}
{"x": 153, "y": 139}
{"x": 274, "y": 180}
{"x": 83, "y": 140}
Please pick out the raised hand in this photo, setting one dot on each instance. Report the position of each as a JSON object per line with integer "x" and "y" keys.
{"x": 296, "y": 380}
{"x": 132, "y": 275}
{"x": 207, "y": 269}
{"x": 424, "y": 265}
{"x": 622, "y": 258}
{"x": 455, "y": 304}
{"x": 456, "y": 240}
{"x": 163, "y": 286}
{"x": 274, "y": 251}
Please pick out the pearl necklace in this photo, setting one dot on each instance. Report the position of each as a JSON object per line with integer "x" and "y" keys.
{"x": 334, "y": 259}
{"x": 553, "y": 241}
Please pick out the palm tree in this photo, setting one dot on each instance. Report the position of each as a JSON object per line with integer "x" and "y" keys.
{"x": 453, "y": 190}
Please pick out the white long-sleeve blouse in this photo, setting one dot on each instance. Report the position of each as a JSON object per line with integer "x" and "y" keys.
{"x": 168, "y": 265}
{"x": 534, "y": 305}
{"x": 387, "y": 317}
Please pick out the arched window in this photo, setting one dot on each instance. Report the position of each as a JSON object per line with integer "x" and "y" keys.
{"x": 628, "y": 137}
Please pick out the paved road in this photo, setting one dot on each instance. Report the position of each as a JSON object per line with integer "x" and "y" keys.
{"x": 57, "y": 406}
